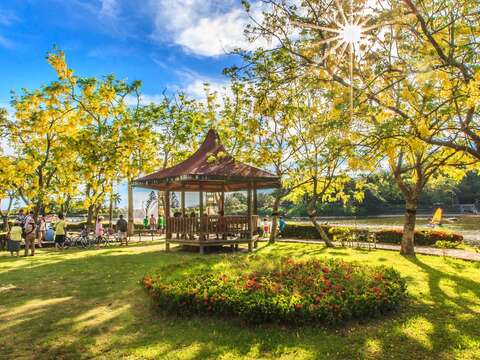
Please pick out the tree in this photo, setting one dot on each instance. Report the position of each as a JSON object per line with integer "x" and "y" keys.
{"x": 414, "y": 164}
{"x": 151, "y": 200}
{"x": 408, "y": 70}
{"x": 10, "y": 180}
{"x": 39, "y": 133}
{"x": 100, "y": 105}
{"x": 180, "y": 124}
{"x": 444, "y": 38}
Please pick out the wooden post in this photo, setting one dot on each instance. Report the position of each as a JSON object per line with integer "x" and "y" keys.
{"x": 255, "y": 210}
{"x": 184, "y": 213}
{"x": 249, "y": 215}
{"x": 222, "y": 201}
{"x": 201, "y": 217}
{"x": 255, "y": 204}
{"x": 168, "y": 234}
{"x": 183, "y": 203}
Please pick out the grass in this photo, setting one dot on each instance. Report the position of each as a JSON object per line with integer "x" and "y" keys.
{"x": 88, "y": 304}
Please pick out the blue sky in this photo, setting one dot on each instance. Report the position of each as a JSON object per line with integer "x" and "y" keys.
{"x": 175, "y": 44}
{"x": 168, "y": 44}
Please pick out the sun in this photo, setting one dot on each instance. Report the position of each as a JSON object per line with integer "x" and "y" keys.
{"x": 351, "y": 33}
{"x": 343, "y": 35}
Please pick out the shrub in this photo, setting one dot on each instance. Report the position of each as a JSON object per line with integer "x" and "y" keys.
{"x": 390, "y": 236}
{"x": 318, "y": 290}
{"x": 444, "y": 244}
{"x": 303, "y": 231}
{"x": 422, "y": 237}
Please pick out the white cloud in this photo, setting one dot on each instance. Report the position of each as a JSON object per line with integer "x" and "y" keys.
{"x": 6, "y": 43}
{"x": 194, "y": 84}
{"x": 7, "y": 18}
{"x": 204, "y": 27}
{"x": 108, "y": 8}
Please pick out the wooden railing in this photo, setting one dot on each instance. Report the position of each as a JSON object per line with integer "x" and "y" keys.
{"x": 219, "y": 226}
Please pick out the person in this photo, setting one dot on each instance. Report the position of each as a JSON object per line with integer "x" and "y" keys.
{"x": 145, "y": 222}
{"x": 15, "y": 238}
{"x": 282, "y": 225}
{"x": 29, "y": 218}
{"x": 60, "y": 232}
{"x": 30, "y": 235}
{"x": 42, "y": 229}
{"x": 84, "y": 232}
{"x": 153, "y": 223}
{"x": 99, "y": 229}
{"x": 122, "y": 227}
{"x": 21, "y": 218}
{"x": 161, "y": 224}
{"x": 266, "y": 227}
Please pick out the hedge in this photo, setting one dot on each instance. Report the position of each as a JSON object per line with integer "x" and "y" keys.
{"x": 326, "y": 291}
{"x": 390, "y": 236}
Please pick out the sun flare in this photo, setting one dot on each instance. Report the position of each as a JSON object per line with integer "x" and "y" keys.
{"x": 344, "y": 34}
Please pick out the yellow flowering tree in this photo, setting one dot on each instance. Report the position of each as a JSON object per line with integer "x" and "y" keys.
{"x": 105, "y": 140}
{"x": 39, "y": 131}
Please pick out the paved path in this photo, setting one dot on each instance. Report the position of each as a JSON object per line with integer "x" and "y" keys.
{"x": 454, "y": 253}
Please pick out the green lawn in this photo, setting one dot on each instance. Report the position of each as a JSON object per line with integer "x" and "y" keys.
{"x": 88, "y": 304}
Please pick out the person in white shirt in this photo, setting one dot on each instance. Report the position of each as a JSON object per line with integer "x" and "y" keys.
{"x": 42, "y": 229}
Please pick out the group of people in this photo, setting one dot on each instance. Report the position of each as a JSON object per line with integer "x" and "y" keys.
{"x": 266, "y": 228}
{"x": 154, "y": 224}
{"x": 121, "y": 227}
{"x": 26, "y": 229}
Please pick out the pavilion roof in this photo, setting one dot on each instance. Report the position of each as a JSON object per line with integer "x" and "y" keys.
{"x": 210, "y": 168}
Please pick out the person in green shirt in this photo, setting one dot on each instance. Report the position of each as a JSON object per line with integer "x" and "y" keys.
{"x": 15, "y": 238}
{"x": 145, "y": 222}
{"x": 161, "y": 223}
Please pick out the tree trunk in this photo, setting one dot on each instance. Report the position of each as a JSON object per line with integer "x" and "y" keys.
{"x": 159, "y": 203}
{"x": 90, "y": 215}
{"x": 110, "y": 209}
{"x": 276, "y": 205}
{"x": 5, "y": 223}
{"x": 312, "y": 213}
{"x": 96, "y": 212}
{"x": 407, "y": 244}
{"x": 131, "y": 225}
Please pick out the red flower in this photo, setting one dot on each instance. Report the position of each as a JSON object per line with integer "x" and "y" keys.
{"x": 147, "y": 283}
{"x": 325, "y": 270}
{"x": 298, "y": 306}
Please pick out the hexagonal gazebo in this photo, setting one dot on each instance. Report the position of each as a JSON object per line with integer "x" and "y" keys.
{"x": 210, "y": 170}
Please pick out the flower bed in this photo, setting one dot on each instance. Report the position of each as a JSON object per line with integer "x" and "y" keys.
{"x": 313, "y": 291}
{"x": 390, "y": 236}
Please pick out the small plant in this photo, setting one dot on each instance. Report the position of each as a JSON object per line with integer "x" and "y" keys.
{"x": 341, "y": 234}
{"x": 317, "y": 290}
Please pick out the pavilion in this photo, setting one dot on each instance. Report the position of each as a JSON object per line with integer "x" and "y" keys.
{"x": 210, "y": 170}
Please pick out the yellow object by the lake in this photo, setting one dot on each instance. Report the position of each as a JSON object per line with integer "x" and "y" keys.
{"x": 437, "y": 216}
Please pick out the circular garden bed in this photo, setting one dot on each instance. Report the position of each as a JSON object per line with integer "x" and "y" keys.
{"x": 313, "y": 291}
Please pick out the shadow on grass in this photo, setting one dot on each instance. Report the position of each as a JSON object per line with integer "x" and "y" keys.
{"x": 93, "y": 306}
